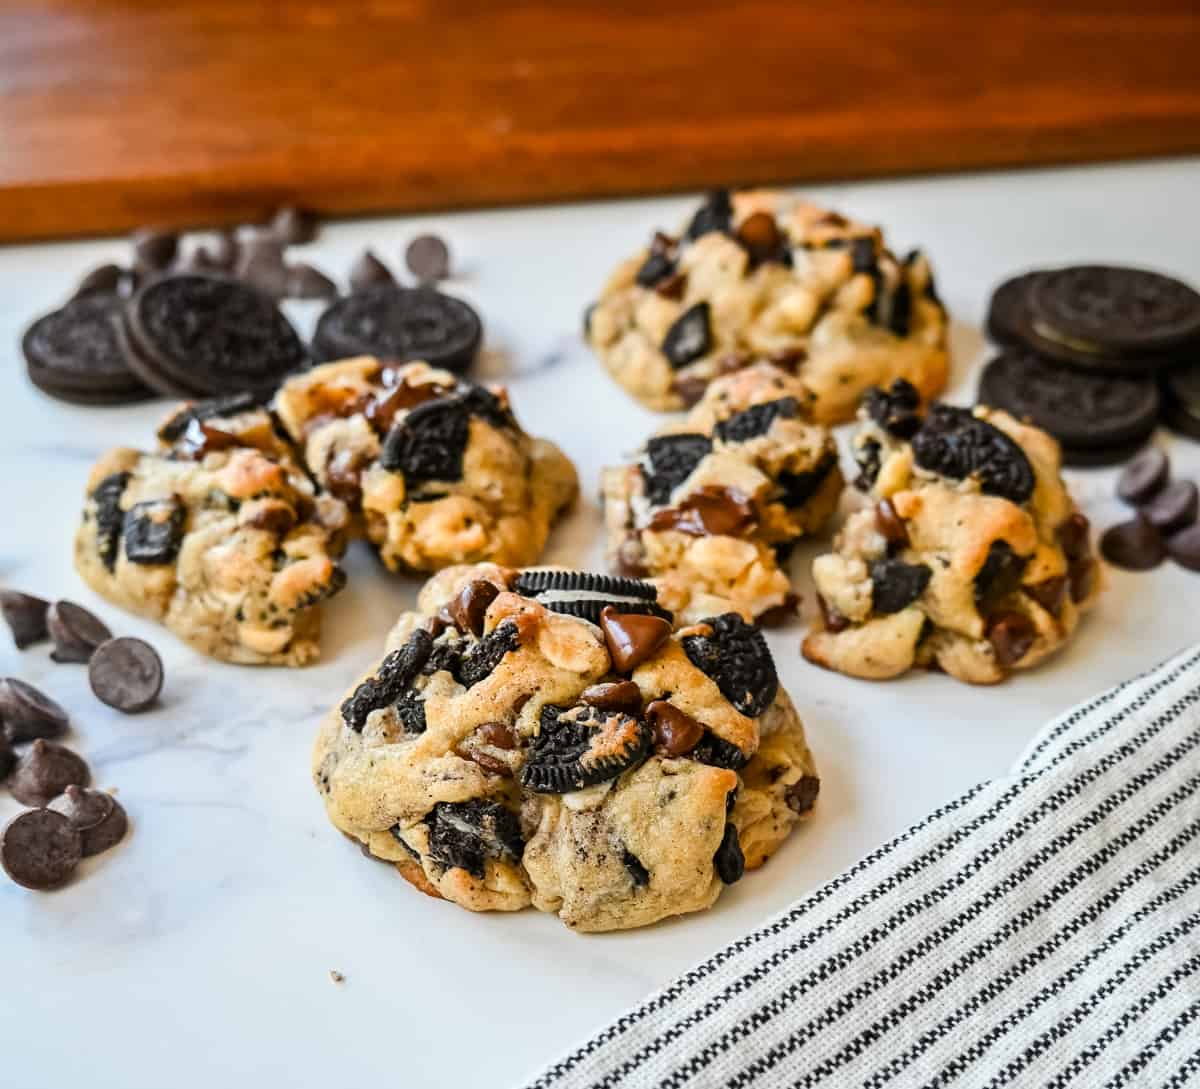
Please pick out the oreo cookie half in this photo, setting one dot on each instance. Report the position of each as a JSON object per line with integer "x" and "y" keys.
{"x": 401, "y": 324}
{"x": 210, "y": 335}
{"x": 583, "y": 594}
{"x": 1084, "y": 411}
{"x": 74, "y": 353}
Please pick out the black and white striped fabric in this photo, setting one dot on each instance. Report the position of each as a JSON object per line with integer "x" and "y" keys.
{"x": 1042, "y": 929}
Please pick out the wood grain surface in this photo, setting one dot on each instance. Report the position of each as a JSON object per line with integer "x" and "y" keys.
{"x": 114, "y": 114}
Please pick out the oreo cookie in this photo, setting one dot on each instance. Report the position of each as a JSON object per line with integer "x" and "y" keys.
{"x": 401, "y": 324}
{"x": 1181, "y": 399}
{"x": 467, "y": 834}
{"x": 735, "y": 656}
{"x": 581, "y": 746}
{"x": 670, "y": 460}
{"x": 1108, "y": 311}
{"x": 74, "y": 353}
{"x": 1084, "y": 411}
{"x": 585, "y": 595}
{"x": 955, "y": 443}
{"x": 209, "y": 335}
{"x": 1007, "y": 319}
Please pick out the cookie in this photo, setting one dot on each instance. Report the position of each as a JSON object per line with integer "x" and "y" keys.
{"x": 709, "y": 509}
{"x": 1107, "y": 311}
{"x": 1180, "y": 387}
{"x": 230, "y": 546}
{"x": 969, "y": 555}
{"x": 401, "y": 324}
{"x": 74, "y": 354}
{"x": 1082, "y": 410}
{"x": 762, "y": 276}
{"x": 437, "y": 467}
{"x": 208, "y": 335}
{"x": 608, "y": 791}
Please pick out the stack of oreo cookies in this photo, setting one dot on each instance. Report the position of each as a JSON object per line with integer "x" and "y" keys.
{"x": 1096, "y": 355}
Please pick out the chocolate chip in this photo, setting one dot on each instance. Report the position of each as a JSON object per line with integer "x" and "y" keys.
{"x": 264, "y": 271}
{"x": 1174, "y": 507}
{"x": 39, "y": 849}
{"x": 1049, "y": 593}
{"x": 154, "y": 249}
{"x": 689, "y": 336}
{"x": 890, "y": 524}
{"x": 104, "y": 280}
{"x": 1073, "y": 536}
{"x": 729, "y": 861}
{"x": 28, "y": 713}
{"x": 614, "y": 696}
{"x": 45, "y": 771}
{"x": 673, "y": 286}
{"x": 294, "y": 226}
{"x": 8, "y": 758}
{"x": 1184, "y": 547}
{"x": 638, "y": 874}
{"x": 1134, "y": 545}
{"x": 428, "y": 258}
{"x": 802, "y": 794}
{"x": 367, "y": 271}
{"x": 656, "y": 267}
{"x": 779, "y": 615}
{"x": 760, "y": 235}
{"x": 832, "y": 620}
{"x": 25, "y": 616}
{"x": 76, "y": 631}
{"x": 1011, "y": 635}
{"x": 468, "y": 609}
{"x": 632, "y": 638}
{"x": 675, "y": 731}
{"x": 1144, "y": 476}
{"x": 306, "y": 282}
{"x": 98, "y": 817}
{"x": 690, "y": 389}
{"x": 497, "y": 735}
{"x": 708, "y": 511}
{"x": 126, "y": 674}
{"x": 1080, "y": 577}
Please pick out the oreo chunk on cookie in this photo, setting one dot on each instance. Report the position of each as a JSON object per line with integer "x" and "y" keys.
{"x": 689, "y": 337}
{"x": 402, "y": 324}
{"x": 467, "y": 834}
{"x": 955, "y": 443}
{"x": 896, "y": 410}
{"x": 198, "y": 412}
{"x": 1090, "y": 413}
{"x": 895, "y": 585}
{"x": 110, "y": 518}
{"x": 670, "y": 460}
{"x": 153, "y": 531}
{"x": 756, "y": 420}
{"x": 715, "y": 214}
{"x": 73, "y": 353}
{"x": 735, "y": 656}
{"x": 391, "y": 680}
{"x": 585, "y": 595}
{"x": 579, "y": 747}
{"x": 205, "y": 336}
{"x": 428, "y": 444}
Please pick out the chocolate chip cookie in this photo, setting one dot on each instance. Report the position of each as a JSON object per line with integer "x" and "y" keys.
{"x": 438, "y": 468}
{"x": 764, "y": 275}
{"x": 219, "y": 535}
{"x": 711, "y": 503}
{"x": 969, "y": 555}
{"x": 506, "y": 751}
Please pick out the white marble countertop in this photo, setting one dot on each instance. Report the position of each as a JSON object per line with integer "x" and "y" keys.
{"x": 198, "y": 953}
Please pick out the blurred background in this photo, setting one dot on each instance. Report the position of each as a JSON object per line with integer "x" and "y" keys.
{"x": 209, "y": 111}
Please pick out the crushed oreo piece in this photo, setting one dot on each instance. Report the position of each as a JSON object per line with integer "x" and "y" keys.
{"x": 428, "y": 444}
{"x": 638, "y": 874}
{"x": 579, "y": 747}
{"x": 467, "y": 834}
{"x": 656, "y": 267}
{"x": 798, "y": 488}
{"x": 715, "y": 214}
{"x": 395, "y": 674}
{"x": 867, "y": 456}
{"x": 736, "y": 658}
{"x": 670, "y": 460}
{"x": 201, "y": 411}
{"x": 689, "y": 337}
{"x": 756, "y": 420}
{"x": 1000, "y": 574}
{"x": 719, "y": 753}
{"x": 729, "y": 861}
{"x": 153, "y": 531}
{"x": 895, "y": 585}
{"x": 481, "y": 660}
{"x": 109, "y": 516}
{"x": 896, "y": 410}
{"x": 956, "y": 443}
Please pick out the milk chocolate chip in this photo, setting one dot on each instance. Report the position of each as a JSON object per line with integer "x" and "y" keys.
{"x": 675, "y": 731}
{"x": 614, "y": 696}
{"x": 632, "y": 638}
{"x": 468, "y": 609}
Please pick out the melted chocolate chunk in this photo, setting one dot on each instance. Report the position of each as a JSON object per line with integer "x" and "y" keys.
{"x": 999, "y": 576}
{"x": 729, "y": 861}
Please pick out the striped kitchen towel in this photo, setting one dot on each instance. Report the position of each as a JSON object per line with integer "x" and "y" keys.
{"x": 1042, "y": 929}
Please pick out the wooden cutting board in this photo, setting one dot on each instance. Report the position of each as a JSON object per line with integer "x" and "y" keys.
{"x": 114, "y": 114}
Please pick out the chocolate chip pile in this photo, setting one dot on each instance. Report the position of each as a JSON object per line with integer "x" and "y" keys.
{"x": 1166, "y": 520}
{"x": 196, "y": 318}
{"x": 41, "y": 847}
{"x": 1096, "y": 355}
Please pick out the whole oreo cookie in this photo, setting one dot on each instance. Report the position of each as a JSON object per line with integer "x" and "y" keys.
{"x": 1008, "y": 312}
{"x": 211, "y": 335}
{"x": 1181, "y": 399}
{"x": 74, "y": 353}
{"x": 1083, "y": 410}
{"x": 1107, "y": 315}
{"x": 402, "y": 324}
{"x": 584, "y": 594}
